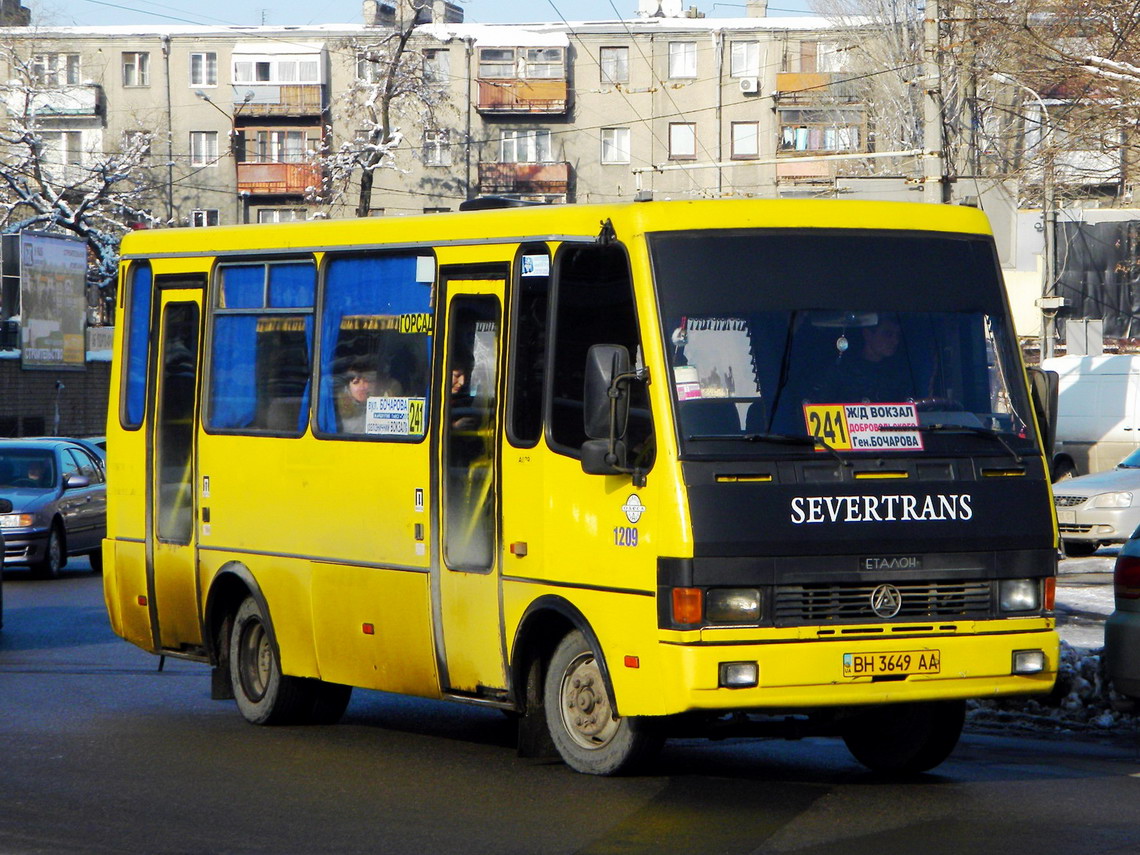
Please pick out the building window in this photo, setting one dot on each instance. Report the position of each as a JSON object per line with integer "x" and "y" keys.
{"x": 436, "y": 210}
{"x": 614, "y": 62}
{"x": 369, "y": 67}
{"x": 437, "y": 67}
{"x": 281, "y": 215}
{"x": 682, "y": 141}
{"x": 136, "y": 68}
{"x": 278, "y": 147}
{"x": 203, "y": 217}
{"x": 532, "y": 63}
{"x": 525, "y": 147}
{"x": 615, "y": 145}
{"x": 270, "y": 69}
{"x": 811, "y": 57}
{"x": 204, "y": 69}
{"x": 745, "y": 139}
{"x": 682, "y": 60}
{"x": 819, "y": 130}
{"x": 745, "y": 60}
{"x": 55, "y": 69}
{"x": 437, "y": 148}
{"x": 203, "y": 148}
{"x": 137, "y": 141}
{"x": 61, "y": 149}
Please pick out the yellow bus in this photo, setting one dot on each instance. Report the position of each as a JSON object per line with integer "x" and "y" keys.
{"x": 630, "y": 471}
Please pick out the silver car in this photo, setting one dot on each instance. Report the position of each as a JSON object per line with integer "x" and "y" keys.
{"x": 1122, "y": 629}
{"x": 1097, "y": 509}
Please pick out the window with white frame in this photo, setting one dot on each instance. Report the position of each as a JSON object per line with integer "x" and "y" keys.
{"x": 437, "y": 148}
{"x": 202, "y": 217}
{"x": 437, "y": 67}
{"x": 615, "y": 145}
{"x": 682, "y": 141}
{"x": 277, "y": 146}
{"x": 136, "y": 68}
{"x": 203, "y": 148}
{"x": 525, "y": 63}
{"x": 281, "y": 215}
{"x": 745, "y": 59}
{"x": 531, "y": 146}
{"x": 278, "y": 69}
{"x": 204, "y": 68}
{"x": 55, "y": 69}
{"x": 614, "y": 64}
{"x": 61, "y": 149}
{"x": 821, "y": 130}
{"x": 682, "y": 60}
{"x": 745, "y": 140}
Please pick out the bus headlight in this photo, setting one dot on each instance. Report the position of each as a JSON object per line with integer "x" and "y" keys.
{"x": 732, "y": 605}
{"x": 1020, "y": 595}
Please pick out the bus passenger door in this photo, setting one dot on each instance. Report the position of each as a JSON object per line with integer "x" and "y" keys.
{"x": 468, "y": 608}
{"x": 171, "y": 526}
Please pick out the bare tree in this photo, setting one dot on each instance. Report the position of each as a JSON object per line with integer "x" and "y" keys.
{"x": 49, "y": 181}
{"x": 391, "y": 84}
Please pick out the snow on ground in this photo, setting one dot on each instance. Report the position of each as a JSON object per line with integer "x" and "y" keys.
{"x": 1083, "y": 701}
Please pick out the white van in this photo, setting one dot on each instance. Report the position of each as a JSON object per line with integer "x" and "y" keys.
{"x": 1098, "y": 412}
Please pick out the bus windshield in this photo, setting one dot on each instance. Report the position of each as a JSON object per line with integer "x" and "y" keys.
{"x": 781, "y": 342}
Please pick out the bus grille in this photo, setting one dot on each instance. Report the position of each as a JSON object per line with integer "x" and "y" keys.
{"x": 797, "y": 604}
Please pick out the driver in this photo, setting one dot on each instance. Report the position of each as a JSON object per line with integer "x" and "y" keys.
{"x": 875, "y": 373}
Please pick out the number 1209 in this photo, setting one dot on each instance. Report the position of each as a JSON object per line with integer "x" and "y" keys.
{"x": 625, "y": 536}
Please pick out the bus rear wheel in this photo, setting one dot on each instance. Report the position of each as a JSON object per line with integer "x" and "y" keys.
{"x": 263, "y": 694}
{"x": 905, "y": 739}
{"x": 580, "y": 715}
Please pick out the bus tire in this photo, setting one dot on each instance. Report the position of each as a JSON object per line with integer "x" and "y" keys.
{"x": 579, "y": 714}
{"x": 905, "y": 739}
{"x": 263, "y": 694}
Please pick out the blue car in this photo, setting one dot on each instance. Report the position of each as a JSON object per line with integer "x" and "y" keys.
{"x": 58, "y": 492}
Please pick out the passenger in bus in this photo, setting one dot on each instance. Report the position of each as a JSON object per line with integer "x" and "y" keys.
{"x": 462, "y": 399}
{"x": 876, "y": 372}
{"x": 363, "y": 381}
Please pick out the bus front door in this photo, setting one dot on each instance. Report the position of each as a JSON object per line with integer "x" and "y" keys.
{"x": 468, "y": 607}
{"x": 171, "y": 524}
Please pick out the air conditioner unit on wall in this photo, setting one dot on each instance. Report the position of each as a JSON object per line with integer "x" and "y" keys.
{"x": 749, "y": 85}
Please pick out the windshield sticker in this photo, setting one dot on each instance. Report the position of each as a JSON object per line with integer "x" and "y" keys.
{"x": 394, "y": 417}
{"x": 688, "y": 382}
{"x": 864, "y": 427}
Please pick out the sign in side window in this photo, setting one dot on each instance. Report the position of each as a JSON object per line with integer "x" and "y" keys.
{"x": 376, "y": 345}
{"x": 139, "y": 292}
{"x": 262, "y": 347}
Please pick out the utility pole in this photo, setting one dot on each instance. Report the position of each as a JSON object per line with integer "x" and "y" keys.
{"x": 934, "y": 182}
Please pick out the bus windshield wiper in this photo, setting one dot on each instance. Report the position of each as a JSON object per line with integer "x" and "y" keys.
{"x": 977, "y": 430}
{"x": 781, "y": 438}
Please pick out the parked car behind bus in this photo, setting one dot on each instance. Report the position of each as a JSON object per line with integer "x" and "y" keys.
{"x": 1097, "y": 509}
{"x": 59, "y": 504}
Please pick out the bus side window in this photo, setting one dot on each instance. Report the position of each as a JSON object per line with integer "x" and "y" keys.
{"x": 376, "y": 339}
{"x": 593, "y": 305}
{"x": 528, "y": 357}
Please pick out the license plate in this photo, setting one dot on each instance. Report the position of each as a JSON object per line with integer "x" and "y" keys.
{"x": 1067, "y": 516}
{"x": 900, "y": 663}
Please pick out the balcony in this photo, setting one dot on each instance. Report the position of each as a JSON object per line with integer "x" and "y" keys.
{"x": 256, "y": 100}
{"x": 507, "y": 95}
{"x": 277, "y": 179}
{"x": 524, "y": 179}
{"x": 78, "y": 101}
{"x": 802, "y": 87}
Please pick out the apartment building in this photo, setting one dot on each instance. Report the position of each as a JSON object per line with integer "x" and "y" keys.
{"x": 669, "y": 105}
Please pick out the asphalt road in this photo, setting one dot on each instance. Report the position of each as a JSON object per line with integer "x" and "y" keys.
{"x": 102, "y": 753}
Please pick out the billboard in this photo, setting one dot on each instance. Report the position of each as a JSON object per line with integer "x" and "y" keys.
{"x": 53, "y": 302}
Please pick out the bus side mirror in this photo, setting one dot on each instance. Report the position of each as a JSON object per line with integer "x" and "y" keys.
{"x": 1043, "y": 392}
{"x": 606, "y": 402}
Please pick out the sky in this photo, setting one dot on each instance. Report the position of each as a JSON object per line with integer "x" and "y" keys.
{"x": 303, "y": 12}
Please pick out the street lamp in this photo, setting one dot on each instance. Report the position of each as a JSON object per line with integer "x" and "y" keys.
{"x": 233, "y": 133}
{"x": 1049, "y": 304}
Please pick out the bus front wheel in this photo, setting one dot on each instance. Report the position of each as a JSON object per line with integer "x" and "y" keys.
{"x": 264, "y": 695}
{"x": 905, "y": 739}
{"x": 579, "y": 712}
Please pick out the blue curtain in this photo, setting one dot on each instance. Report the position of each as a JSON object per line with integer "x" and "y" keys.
{"x": 138, "y": 343}
{"x": 291, "y": 286}
{"x": 370, "y": 285}
{"x": 233, "y": 387}
{"x": 243, "y": 286}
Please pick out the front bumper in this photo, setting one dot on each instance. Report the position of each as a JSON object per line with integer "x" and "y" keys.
{"x": 1097, "y": 525}
{"x": 24, "y": 546}
{"x": 976, "y": 661}
{"x": 1122, "y": 651}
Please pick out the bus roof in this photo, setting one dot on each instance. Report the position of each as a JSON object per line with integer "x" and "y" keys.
{"x": 554, "y": 222}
